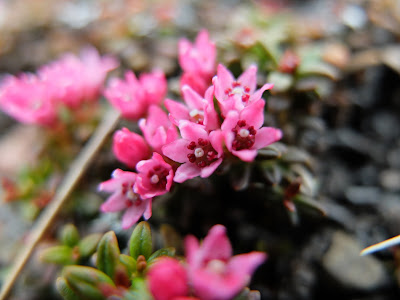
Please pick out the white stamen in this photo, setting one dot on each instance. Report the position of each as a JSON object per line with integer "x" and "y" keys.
{"x": 198, "y": 152}
{"x": 131, "y": 195}
{"x": 154, "y": 179}
{"x": 194, "y": 112}
{"x": 244, "y": 133}
{"x": 126, "y": 98}
{"x": 216, "y": 265}
{"x": 237, "y": 90}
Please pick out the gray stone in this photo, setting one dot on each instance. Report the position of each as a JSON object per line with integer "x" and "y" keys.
{"x": 390, "y": 179}
{"x": 363, "y": 195}
{"x": 350, "y": 270}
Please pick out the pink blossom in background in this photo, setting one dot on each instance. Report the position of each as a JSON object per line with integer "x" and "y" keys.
{"x": 167, "y": 280}
{"x": 133, "y": 97}
{"x": 213, "y": 272}
{"x": 235, "y": 94}
{"x": 197, "y": 61}
{"x": 157, "y": 128}
{"x": 73, "y": 80}
{"x": 130, "y": 147}
{"x": 242, "y": 132}
{"x": 154, "y": 177}
{"x": 196, "y": 109}
{"x": 123, "y": 197}
{"x": 199, "y": 151}
{"x": 27, "y": 99}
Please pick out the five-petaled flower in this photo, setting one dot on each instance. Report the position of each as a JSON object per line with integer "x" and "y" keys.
{"x": 242, "y": 132}
{"x": 199, "y": 151}
{"x": 154, "y": 177}
{"x": 237, "y": 94}
{"x": 123, "y": 197}
{"x": 213, "y": 272}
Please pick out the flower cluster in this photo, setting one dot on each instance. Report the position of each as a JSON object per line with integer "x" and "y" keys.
{"x": 69, "y": 81}
{"x": 210, "y": 272}
{"x": 218, "y": 120}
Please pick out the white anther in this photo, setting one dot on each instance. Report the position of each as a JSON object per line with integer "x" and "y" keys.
{"x": 199, "y": 152}
{"x": 193, "y": 113}
{"x": 237, "y": 90}
{"x": 244, "y": 133}
{"x": 131, "y": 195}
{"x": 154, "y": 179}
{"x": 217, "y": 266}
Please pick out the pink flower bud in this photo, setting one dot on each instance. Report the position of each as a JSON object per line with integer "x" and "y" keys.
{"x": 130, "y": 147}
{"x": 167, "y": 280}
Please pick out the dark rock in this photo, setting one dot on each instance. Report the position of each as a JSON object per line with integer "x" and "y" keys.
{"x": 363, "y": 195}
{"x": 390, "y": 179}
{"x": 348, "y": 269}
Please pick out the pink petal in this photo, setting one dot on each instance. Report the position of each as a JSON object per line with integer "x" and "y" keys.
{"x": 116, "y": 202}
{"x": 254, "y": 114}
{"x": 247, "y": 263}
{"x": 266, "y": 136}
{"x": 191, "y": 131}
{"x": 230, "y": 121}
{"x": 178, "y": 111}
{"x": 186, "y": 171}
{"x": 216, "y": 139}
{"x": 191, "y": 248}
{"x": 246, "y": 154}
{"x": 177, "y": 150}
{"x": 132, "y": 215}
{"x": 258, "y": 94}
{"x": 249, "y": 78}
{"x": 148, "y": 212}
{"x": 216, "y": 245}
{"x": 192, "y": 99}
{"x": 207, "y": 171}
{"x": 225, "y": 77}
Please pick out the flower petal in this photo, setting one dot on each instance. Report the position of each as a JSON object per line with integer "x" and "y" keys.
{"x": 177, "y": 150}
{"x": 132, "y": 215}
{"x": 186, "y": 171}
{"x": 249, "y": 78}
{"x": 266, "y": 136}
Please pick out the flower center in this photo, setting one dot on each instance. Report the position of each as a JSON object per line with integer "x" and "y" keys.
{"x": 238, "y": 89}
{"x": 196, "y": 116}
{"x": 216, "y": 266}
{"x": 158, "y": 177}
{"x": 131, "y": 197}
{"x": 203, "y": 153}
{"x": 244, "y": 137}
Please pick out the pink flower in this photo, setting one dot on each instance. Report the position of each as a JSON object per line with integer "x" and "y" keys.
{"x": 121, "y": 185}
{"x": 154, "y": 177}
{"x": 198, "y": 110}
{"x": 242, "y": 132}
{"x": 198, "y": 58}
{"x": 157, "y": 128}
{"x": 213, "y": 272}
{"x": 130, "y": 147}
{"x": 236, "y": 94}
{"x": 199, "y": 152}
{"x": 197, "y": 61}
{"x": 27, "y": 99}
{"x": 73, "y": 79}
{"x": 132, "y": 97}
{"x": 167, "y": 280}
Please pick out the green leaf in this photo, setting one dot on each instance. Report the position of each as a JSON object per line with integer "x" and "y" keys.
{"x": 170, "y": 251}
{"x": 66, "y": 292}
{"x": 140, "y": 290}
{"x": 108, "y": 254}
{"x": 69, "y": 235}
{"x": 128, "y": 262}
{"x": 140, "y": 242}
{"x": 87, "y": 246}
{"x": 88, "y": 283}
{"x": 61, "y": 255}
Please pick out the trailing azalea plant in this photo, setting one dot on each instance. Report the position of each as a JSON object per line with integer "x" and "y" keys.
{"x": 214, "y": 128}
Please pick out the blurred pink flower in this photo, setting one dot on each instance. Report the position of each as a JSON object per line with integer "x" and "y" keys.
{"x": 167, "y": 280}
{"x": 29, "y": 100}
{"x": 123, "y": 197}
{"x": 73, "y": 80}
{"x": 197, "y": 61}
{"x": 130, "y": 147}
{"x": 213, "y": 272}
{"x": 154, "y": 177}
{"x": 132, "y": 97}
{"x": 199, "y": 151}
{"x": 157, "y": 128}
{"x": 196, "y": 109}
{"x": 242, "y": 132}
{"x": 236, "y": 94}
